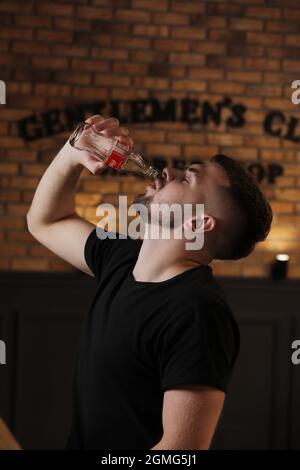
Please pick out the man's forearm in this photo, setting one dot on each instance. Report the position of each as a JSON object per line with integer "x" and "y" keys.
{"x": 54, "y": 198}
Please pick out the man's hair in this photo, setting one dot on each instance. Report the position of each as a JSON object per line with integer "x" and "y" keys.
{"x": 252, "y": 212}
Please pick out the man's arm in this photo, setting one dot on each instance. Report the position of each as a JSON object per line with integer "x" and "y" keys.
{"x": 52, "y": 218}
{"x": 190, "y": 417}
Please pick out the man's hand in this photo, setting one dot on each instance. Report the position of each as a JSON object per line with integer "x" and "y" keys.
{"x": 52, "y": 217}
{"x": 109, "y": 128}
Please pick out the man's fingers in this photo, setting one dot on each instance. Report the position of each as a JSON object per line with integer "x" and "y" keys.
{"x": 106, "y": 123}
{"x": 94, "y": 119}
{"x": 115, "y": 131}
{"x": 126, "y": 139}
{"x": 94, "y": 165}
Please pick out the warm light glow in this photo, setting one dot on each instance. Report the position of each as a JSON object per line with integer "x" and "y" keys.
{"x": 282, "y": 257}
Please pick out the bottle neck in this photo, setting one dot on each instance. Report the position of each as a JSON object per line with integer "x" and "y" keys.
{"x": 152, "y": 172}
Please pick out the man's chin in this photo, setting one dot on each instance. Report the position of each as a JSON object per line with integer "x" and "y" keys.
{"x": 143, "y": 199}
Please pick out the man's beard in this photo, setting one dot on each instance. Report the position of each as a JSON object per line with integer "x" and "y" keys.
{"x": 152, "y": 216}
{"x": 143, "y": 199}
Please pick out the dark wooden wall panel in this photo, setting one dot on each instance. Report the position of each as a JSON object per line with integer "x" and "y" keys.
{"x": 40, "y": 320}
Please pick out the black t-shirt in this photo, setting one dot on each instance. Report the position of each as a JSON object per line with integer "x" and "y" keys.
{"x": 138, "y": 340}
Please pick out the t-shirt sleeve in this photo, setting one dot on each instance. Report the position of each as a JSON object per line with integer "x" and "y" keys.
{"x": 199, "y": 347}
{"x": 104, "y": 250}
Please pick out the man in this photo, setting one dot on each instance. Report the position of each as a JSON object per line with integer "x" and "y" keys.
{"x": 159, "y": 344}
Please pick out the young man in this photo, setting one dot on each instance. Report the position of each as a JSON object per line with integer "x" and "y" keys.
{"x": 160, "y": 341}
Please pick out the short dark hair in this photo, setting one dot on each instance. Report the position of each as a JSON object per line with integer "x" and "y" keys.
{"x": 250, "y": 203}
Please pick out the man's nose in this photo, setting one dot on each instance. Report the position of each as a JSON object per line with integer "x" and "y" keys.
{"x": 170, "y": 173}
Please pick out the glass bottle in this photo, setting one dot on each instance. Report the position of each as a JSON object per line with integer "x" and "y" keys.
{"x": 111, "y": 151}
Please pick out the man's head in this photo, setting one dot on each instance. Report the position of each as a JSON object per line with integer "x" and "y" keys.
{"x": 236, "y": 213}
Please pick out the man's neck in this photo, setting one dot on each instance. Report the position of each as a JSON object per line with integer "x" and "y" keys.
{"x": 160, "y": 260}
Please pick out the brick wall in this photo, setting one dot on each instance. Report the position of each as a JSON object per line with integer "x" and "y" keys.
{"x": 62, "y": 53}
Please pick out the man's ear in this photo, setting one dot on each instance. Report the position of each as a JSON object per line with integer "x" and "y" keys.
{"x": 200, "y": 224}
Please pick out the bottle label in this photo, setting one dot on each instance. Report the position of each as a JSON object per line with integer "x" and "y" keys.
{"x": 118, "y": 156}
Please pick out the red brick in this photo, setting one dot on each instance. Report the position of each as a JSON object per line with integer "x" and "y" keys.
{"x": 261, "y": 141}
{"x": 131, "y": 42}
{"x": 54, "y": 36}
{"x": 206, "y": 73}
{"x": 246, "y": 24}
{"x": 188, "y": 7}
{"x": 21, "y": 155}
{"x": 70, "y": 51}
{"x": 147, "y": 135}
{"x": 16, "y": 33}
{"x": 29, "y": 264}
{"x": 8, "y": 168}
{"x": 4, "y": 264}
{"x": 243, "y": 153}
{"x": 210, "y": 22}
{"x": 14, "y": 7}
{"x": 17, "y": 209}
{"x": 11, "y": 222}
{"x": 80, "y": 78}
{"x": 262, "y": 63}
{"x": 7, "y": 195}
{"x": 50, "y": 62}
{"x": 150, "y": 30}
{"x": 61, "y": 265}
{"x": 56, "y": 9}
{"x": 291, "y": 13}
{"x": 186, "y": 58}
{"x": 20, "y": 237}
{"x": 264, "y": 38}
{"x": 109, "y": 54}
{"x": 282, "y": 207}
{"x": 186, "y": 137}
{"x": 224, "y": 139}
{"x": 208, "y": 47}
{"x": 101, "y": 186}
{"x": 160, "y": 5}
{"x": 90, "y": 92}
{"x": 133, "y": 16}
{"x": 39, "y": 251}
{"x": 225, "y": 62}
{"x": 4, "y": 46}
{"x": 75, "y": 24}
{"x": 171, "y": 19}
{"x": 291, "y": 65}
{"x": 12, "y": 249}
{"x": 244, "y": 76}
{"x": 12, "y": 142}
{"x": 188, "y": 33}
{"x": 110, "y": 80}
{"x": 33, "y": 21}
{"x": 151, "y": 83}
{"x": 129, "y": 68}
{"x": 89, "y": 65}
{"x": 171, "y": 44}
{"x": 50, "y": 89}
{"x": 30, "y": 48}
{"x": 189, "y": 85}
{"x": 23, "y": 182}
{"x": 263, "y": 12}
{"x": 227, "y": 87}
{"x": 87, "y": 199}
{"x": 94, "y": 12}
{"x": 168, "y": 150}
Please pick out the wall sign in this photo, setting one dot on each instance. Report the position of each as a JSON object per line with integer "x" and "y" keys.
{"x": 190, "y": 111}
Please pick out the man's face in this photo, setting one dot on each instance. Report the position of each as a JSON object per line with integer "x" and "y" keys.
{"x": 197, "y": 183}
